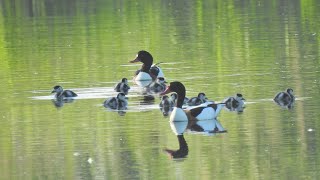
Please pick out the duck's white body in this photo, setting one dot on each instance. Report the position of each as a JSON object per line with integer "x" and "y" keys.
{"x": 178, "y": 114}
{"x": 143, "y": 76}
{"x": 209, "y": 110}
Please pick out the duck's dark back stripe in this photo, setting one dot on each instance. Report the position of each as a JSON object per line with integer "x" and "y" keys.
{"x": 196, "y": 111}
{"x": 214, "y": 106}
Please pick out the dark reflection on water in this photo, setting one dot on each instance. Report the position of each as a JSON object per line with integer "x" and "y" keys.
{"x": 207, "y": 127}
{"x": 59, "y": 102}
{"x": 183, "y": 150}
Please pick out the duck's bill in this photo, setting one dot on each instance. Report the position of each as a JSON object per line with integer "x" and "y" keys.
{"x": 53, "y": 91}
{"x": 135, "y": 60}
{"x": 166, "y": 91}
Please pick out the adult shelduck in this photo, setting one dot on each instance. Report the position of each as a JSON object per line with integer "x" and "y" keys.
{"x": 147, "y": 72}
{"x": 202, "y": 112}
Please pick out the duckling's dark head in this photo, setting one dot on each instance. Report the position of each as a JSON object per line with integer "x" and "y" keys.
{"x": 200, "y": 95}
{"x": 57, "y": 89}
{"x": 178, "y": 88}
{"x": 124, "y": 80}
{"x": 240, "y": 96}
{"x": 289, "y": 90}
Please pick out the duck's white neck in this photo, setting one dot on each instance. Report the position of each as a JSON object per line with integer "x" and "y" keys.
{"x": 178, "y": 114}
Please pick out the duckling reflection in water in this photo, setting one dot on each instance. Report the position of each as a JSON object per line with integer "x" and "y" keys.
{"x": 183, "y": 150}
{"x": 59, "y": 102}
{"x": 285, "y": 99}
{"x": 235, "y": 103}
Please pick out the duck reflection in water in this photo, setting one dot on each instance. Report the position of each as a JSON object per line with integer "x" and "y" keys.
{"x": 183, "y": 150}
{"x": 285, "y": 99}
{"x": 208, "y": 127}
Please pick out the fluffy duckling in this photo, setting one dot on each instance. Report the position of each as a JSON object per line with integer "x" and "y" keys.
{"x": 174, "y": 98}
{"x": 122, "y": 86}
{"x": 119, "y": 102}
{"x": 285, "y": 98}
{"x": 60, "y": 93}
{"x": 195, "y": 101}
{"x": 166, "y": 105}
{"x": 235, "y": 103}
{"x": 157, "y": 86}
{"x": 166, "y": 101}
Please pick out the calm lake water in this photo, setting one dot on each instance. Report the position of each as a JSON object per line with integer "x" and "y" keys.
{"x": 217, "y": 47}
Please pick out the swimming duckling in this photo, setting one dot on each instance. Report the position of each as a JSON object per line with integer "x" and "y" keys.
{"x": 201, "y": 98}
{"x": 122, "y": 86}
{"x": 157, "y": 86}
{"x": 235, "y": 103}
{"x": 166, "y": 105}
{"x": 285, "y": 98}
{"x": 60, "y": 93}
{"x": 174, "y": 98}
{"x": 119, "y": 102}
